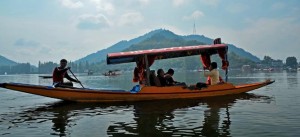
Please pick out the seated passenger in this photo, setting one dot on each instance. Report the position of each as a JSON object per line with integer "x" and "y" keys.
{"x": 171, "y": 81}
{"x": 213, "y": 73}
{"x": 169, "y": 77}
{"x": 154, "y": 81}
{"x": 160, "y": 76}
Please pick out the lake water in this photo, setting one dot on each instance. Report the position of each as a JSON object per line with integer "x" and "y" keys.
{"x": 270, "y": 111}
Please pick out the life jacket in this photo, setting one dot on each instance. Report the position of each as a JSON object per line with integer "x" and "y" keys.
{"x": 58, "y": 76}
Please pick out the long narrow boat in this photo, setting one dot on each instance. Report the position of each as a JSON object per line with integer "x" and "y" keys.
{"x": 144, "y": 59}
{"x": 146, "y": 93}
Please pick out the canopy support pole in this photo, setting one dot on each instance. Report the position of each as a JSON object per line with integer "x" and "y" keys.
{"x": 147, "y": 71}
{"x": 226, "y": 71}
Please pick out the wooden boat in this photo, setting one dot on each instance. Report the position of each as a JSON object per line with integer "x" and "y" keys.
{"x": 112, "y": 73}
{"x": 144, "y": 59}
{"x": 45, "y": 77}
{"x": 146, "y": 93}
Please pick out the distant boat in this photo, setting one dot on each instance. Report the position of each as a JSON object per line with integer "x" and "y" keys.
{"x": 200, "y": 70}
{"x": 45, "y": 77}
{"x": 246, "y": 68}
{"x": 112, "y": 73}
{"x": 289, "y": 69}
{"x": 90, "y": 72}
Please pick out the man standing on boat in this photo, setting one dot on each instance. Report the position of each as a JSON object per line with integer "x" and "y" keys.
{"x": 59, "y": 73}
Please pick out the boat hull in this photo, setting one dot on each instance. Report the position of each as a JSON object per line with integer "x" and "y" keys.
{"x": 146, "y": 93}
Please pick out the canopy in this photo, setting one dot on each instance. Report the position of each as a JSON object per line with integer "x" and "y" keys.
{"x": 164, "y": 53}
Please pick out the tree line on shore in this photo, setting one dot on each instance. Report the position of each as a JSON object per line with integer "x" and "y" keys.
{"x": 188, "y": 63}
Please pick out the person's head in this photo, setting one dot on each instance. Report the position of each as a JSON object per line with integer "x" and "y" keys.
{"x": 63, "y": 63}
{"x": 152, "y": 72}
{"x": 213, "y": 65}
{"x": 170, "y": 72}
{"x": 160, "y": 72}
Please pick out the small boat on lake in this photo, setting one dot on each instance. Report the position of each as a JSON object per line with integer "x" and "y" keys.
{"x": 146, "y": 92}
{"x": 46, "y": 77}
{"x": 112, "y": 73}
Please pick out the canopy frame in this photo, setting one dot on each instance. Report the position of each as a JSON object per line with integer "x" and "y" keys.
{"x": 165, "y": 53}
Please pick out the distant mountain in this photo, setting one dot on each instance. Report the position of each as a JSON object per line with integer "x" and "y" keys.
{"x": 165, "y": 39}
{"x": 177, "y": 40}
{"x": 231, "y": 47}
{"x": 169, "y": 39}
{"x": 6, "y": 62}
{"x": 160, "y": 38}
{"x": 118, "y": 47}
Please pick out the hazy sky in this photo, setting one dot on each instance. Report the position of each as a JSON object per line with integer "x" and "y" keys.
{"x": 48, "y": 30}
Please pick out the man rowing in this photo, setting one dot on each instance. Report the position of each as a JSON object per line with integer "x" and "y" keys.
{"x": 59, "y": 73}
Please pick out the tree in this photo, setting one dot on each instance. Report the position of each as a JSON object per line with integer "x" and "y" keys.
{"x": 291, "y": 62}
{"x": 87, "y": 65}
{"x": 267, "y": 60}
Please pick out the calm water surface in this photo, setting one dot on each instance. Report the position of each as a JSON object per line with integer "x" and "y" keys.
{"x": 270, "y": 111}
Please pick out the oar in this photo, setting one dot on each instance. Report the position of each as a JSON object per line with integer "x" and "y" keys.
{"x": 76, "y": 78}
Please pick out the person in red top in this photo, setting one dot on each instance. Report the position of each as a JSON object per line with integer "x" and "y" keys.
{"x": 59, "y": 73}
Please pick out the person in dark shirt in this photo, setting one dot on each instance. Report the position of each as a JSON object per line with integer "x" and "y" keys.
{"x": 169, "y": 77}
{"x": 154, "y": 81}
{"x": 170, "y": 81}
{"x": 160, "y": 76}
{"x": 59, "y": 73}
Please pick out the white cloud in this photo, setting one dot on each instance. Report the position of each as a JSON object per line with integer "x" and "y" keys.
{"x": 103, "y": 5}
{"x": 178, "y": 2}
{"x": 144, "y": 2}
{"x": 210, "y": 2}
{"x": 237, "y": 7}
{"x": 131, "y": 18}
{"x": 92, "y": 22}
{"x": 71, "y": 4}
{"x": 278, "y": 38}
{"x": 195, "y": 15}
{"x": 23, "y": 43}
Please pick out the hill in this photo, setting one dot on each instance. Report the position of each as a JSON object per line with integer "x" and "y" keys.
{"x": 6, "y": 62}
{"x": 169, "y": 39}
{"x": 232, "y": 48}
{"x": 160, "y": 35}
{"x": 118, "y": 47}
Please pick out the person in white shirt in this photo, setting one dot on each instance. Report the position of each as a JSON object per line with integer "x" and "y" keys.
{"x": 213, "y": 73}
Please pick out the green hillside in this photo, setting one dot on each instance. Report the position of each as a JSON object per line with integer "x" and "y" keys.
{"x": 184, "y": 63}
{"x": 6, "y": 62}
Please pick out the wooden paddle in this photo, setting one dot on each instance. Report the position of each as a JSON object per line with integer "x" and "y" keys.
{"x": 76, "y": 78}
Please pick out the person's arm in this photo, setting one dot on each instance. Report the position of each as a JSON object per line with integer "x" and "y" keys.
{"x": 171, "y": 81}
{"x": 70, "y": 78}
{"x": 208, "y": 73}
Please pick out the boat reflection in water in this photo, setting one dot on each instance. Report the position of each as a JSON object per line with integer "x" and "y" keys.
{"x": 198, "y": 117}
{"x": 157, "y": 118}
